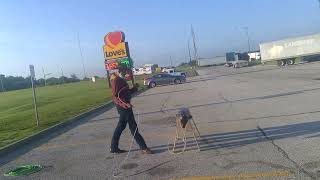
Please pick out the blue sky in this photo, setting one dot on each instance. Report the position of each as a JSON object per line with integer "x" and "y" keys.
{"x": 44, "y": 33}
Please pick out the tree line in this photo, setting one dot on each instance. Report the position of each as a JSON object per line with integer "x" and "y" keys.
{"x": 9, "y": 83}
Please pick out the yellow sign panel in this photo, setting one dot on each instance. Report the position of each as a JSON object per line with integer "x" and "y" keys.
{"x": 118, "y": 51}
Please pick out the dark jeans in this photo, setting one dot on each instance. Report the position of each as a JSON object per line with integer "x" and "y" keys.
{"x": 126, "y": 116}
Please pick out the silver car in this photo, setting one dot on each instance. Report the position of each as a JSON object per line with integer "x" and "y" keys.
{"x": 163, "y": 78}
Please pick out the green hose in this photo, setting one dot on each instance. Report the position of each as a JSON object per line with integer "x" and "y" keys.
{"x": 24, "y": 170}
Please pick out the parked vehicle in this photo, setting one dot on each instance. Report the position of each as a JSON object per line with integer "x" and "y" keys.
{"x": 148, "y": 70}
{"x": 237, "y": 60}
{"x": 218, "y": 60}
{"x": 138, "y": 71}
{"x": 163, "y": 78}
{"x": 174, "y": 73}
{"x": 287, "y": 50}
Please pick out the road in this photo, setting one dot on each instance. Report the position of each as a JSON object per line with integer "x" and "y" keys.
{"x": 258, "y": 122}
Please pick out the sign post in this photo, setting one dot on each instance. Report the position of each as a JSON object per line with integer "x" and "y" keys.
{"x": 32, "y": 77}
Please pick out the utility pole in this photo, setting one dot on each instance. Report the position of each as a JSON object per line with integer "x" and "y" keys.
{"x": 45, "y": 77}
{"x": 194, "y": 44}
{"x": 2, "y": 88}
{"x": 190, "y": 59}
{"x": 81, "y": 54}
{"x": 32, "y": 78}
{"x": 248, "y": 38}
{"x": 62, "y": 75}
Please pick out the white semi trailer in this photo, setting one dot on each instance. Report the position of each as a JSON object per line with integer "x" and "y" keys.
{"x": 287, "y": 50}
{"x": 215, "y": 61}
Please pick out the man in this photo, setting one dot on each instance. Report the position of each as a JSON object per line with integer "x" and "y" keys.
{"x": 121, "y": 96}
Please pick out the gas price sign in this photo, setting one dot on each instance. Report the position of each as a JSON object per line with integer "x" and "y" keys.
{"x": 113, "y": 64}
{"x": 110, "y": 65}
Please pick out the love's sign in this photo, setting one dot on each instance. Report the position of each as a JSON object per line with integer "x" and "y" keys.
{"x": 112, "y": 39}
{"x": 116, "y": 51}
{"x": 115, "y": 47}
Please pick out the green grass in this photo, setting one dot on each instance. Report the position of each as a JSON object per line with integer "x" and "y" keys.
{"x": 55, "y": 104}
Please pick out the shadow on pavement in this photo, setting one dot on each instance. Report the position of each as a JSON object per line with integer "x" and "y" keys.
{"x": 243, "y": 138}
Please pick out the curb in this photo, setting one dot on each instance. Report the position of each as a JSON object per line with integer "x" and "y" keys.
{"x": 50, "y": 130}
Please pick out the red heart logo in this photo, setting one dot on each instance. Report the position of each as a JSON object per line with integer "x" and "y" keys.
{"x": 113, "y": 38}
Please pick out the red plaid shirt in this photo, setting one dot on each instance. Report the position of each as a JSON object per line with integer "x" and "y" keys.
{"x": 121, "y": 93}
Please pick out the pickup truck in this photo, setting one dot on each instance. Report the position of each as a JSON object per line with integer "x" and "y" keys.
{"x": 174, "y": 73}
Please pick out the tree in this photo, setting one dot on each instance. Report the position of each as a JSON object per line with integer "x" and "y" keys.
{"x": 74, "y": 76}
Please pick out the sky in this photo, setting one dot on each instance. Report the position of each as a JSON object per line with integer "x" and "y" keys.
{"x": 44, "y": 33}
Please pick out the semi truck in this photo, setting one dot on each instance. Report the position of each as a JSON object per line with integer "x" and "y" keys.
{"x": 286, "y": 51}
{"x": 218, "y": 60}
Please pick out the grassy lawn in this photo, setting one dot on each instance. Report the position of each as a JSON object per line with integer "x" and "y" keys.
{"x": 55, "y": 104}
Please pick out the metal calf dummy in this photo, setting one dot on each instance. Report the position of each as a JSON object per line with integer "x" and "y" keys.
{"x": 184, "y": 124}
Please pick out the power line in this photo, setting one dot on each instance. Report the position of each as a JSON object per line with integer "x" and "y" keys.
{"x": 81, "y": 54}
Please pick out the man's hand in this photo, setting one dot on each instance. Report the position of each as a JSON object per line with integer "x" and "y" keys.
{"x": 128, "y": 105}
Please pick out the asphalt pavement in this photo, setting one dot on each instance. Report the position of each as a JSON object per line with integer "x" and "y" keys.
{"x": 260, "y": 122}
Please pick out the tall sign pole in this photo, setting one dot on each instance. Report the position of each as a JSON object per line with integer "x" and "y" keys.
{"x": 32, "y": 77}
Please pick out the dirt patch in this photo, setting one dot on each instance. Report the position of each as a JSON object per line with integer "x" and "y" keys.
{"x": 129, "y": 166}
{"x": 160, "y": 171}
{"x": 109, "y": 157}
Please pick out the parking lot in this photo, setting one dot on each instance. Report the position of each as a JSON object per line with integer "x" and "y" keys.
{"x": 260, "y": 122}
